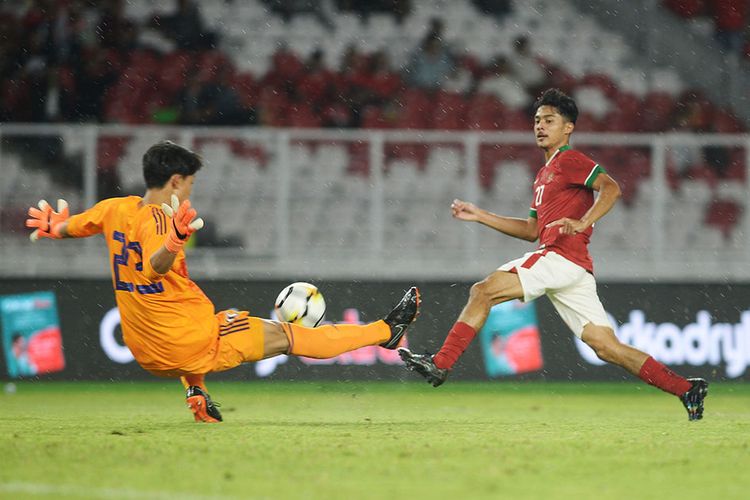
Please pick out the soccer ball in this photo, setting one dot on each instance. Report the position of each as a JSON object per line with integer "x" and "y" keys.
{"x": 301, "y": 303}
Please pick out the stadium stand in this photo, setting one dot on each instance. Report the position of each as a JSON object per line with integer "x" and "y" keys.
{"x": 252, "y": 63}
{"x": 726, "y": 20}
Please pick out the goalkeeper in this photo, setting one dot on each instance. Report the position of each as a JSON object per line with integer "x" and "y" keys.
{"x": 168, "y": 323}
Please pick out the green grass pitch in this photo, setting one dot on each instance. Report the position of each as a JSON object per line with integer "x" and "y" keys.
{"x": 373, "y": 440}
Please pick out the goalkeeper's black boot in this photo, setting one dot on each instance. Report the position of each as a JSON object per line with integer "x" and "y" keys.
{"x": 402, "y": 316}
{"x": 204, "y": 410}
{"x": 424, "y": 365}
{"x": 693, "y": 399}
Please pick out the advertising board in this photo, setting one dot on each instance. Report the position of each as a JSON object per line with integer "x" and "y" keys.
{"x": 698, "y": 330}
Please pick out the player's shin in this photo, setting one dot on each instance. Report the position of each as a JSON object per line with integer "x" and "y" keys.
{"x": 654, "y": 373}
{"x": 328, "y": 341}
{"x": 454, "y": 346}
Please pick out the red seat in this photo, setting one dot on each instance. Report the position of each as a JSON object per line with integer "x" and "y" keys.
{"x": 247, "y": 89}
{"x": 628, "y": 166}
{"x": 657, "y": 111}
{"x": 109, "y": 151}
{"x": 372, "y": 117}
{"x": 249, "y": 149}
{"x": 174, "y": 71}
{"x": 617, "y": 121}
{"x": 625, "y": 117}
{"x": 211, "y": 62}
{"x": 359, "y": 158}
{"x": 66, "y": 78}
{"x": 450, "y": 111}
{"x": 628, "y": 180}
{"x": 287, "y": 67}
{"x": 145, "y": 62}
{"x": 602, "y": 82}
{"x": 687, "y": 8}
{"x": 489, "y": 156}
{"x": 119, "y": 104}
{"x": 314, "y": 87}
{"x": 273, "y": 105}
{"x": 559, "y": 78}
{"x": 407, "y": 151}
{"x": 414, "y": 111}
{"x": 588, "y": 122}
{"x": 411, "y": 117}
{"x": 338, "y": 114}
{"x": 303, "y": 116}
{"x": 517, "y": 120}
{"x": 725, "y": 122}
{"x": 704, "y": 173}
{"x": 724, "y": 215}
{"x": 484, "y": 112}
{"x": 736, "y": 169}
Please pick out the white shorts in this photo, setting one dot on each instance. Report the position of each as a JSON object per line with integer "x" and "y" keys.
{"x": 570, "y": 288}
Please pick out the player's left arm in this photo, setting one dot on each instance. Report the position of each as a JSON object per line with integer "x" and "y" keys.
{"x": 609, "y": 192}
{"x": 184, "y": 223}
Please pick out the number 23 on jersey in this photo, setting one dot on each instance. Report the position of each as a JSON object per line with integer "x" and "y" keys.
{"x": 123, "y": 258}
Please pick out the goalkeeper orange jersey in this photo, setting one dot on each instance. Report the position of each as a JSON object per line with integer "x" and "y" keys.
{"x": 167, "y": 321}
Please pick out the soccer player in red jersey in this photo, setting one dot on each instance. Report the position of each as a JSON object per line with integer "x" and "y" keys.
{"x": 562, "y": 216}
{"x": 168, "y": 323}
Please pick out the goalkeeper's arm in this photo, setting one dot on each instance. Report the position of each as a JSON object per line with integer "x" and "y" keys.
{"x": 184, "y": 224}
{"x": 48, "y": 223}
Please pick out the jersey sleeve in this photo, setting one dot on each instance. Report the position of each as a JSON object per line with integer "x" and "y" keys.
{"x": 91, "y": 221}
{"x": 150, "y": 233}
{"x": 580, "y": 169}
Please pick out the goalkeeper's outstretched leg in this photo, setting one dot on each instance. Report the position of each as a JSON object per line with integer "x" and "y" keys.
{"x": 243, "y": 338}
{"x": 328, "y": 341}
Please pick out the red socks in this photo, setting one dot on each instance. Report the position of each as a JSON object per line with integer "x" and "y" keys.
{"x": 654, "y": 373}
{"x": 455, "y": 344}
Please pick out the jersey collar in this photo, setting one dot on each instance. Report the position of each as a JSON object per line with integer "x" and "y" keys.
{"x": 563, "y": 148}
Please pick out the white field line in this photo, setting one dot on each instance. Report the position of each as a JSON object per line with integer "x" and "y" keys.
{"x": 82, "y": 491}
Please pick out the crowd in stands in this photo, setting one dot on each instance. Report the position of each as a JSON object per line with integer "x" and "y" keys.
{"x": 79, "y": 61}
{"x": 729, "y": 17}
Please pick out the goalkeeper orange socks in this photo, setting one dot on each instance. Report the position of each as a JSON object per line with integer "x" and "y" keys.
{"x": 328, "y": 341}
{"x": 654, "y": 373}
{"x": 197, "y": 380}
{"x": 454, "y": 346}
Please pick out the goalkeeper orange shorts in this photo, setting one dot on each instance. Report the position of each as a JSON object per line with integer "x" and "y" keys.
{"x": 240, "y": 340}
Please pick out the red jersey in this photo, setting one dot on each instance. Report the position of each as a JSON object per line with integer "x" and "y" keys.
{"x": 563, "y": 188}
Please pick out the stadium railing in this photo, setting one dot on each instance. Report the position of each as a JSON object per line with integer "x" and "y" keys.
{"x": 375, "y": 203}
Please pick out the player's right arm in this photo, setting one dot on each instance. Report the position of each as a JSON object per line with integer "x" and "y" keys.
{"x": 525, "y": 229}
{"x": 49, "y": 223}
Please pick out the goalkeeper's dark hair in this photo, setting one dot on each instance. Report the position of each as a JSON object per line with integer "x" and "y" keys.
{"x": 558, "y": 99}
{"x": 164, "y": 159}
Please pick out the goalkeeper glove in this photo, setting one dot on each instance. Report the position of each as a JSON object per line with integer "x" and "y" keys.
{"x": 183, "y": 225}
{"x": 46, "y": 221}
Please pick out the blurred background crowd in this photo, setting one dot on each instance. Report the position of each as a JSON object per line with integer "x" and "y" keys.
{"x": 444, "y": 65}
{"x": 85, "y": 61}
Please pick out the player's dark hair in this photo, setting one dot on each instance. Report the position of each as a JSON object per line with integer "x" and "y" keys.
{"x": 558, "y": 99}
{"x": 164, "y": 159}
